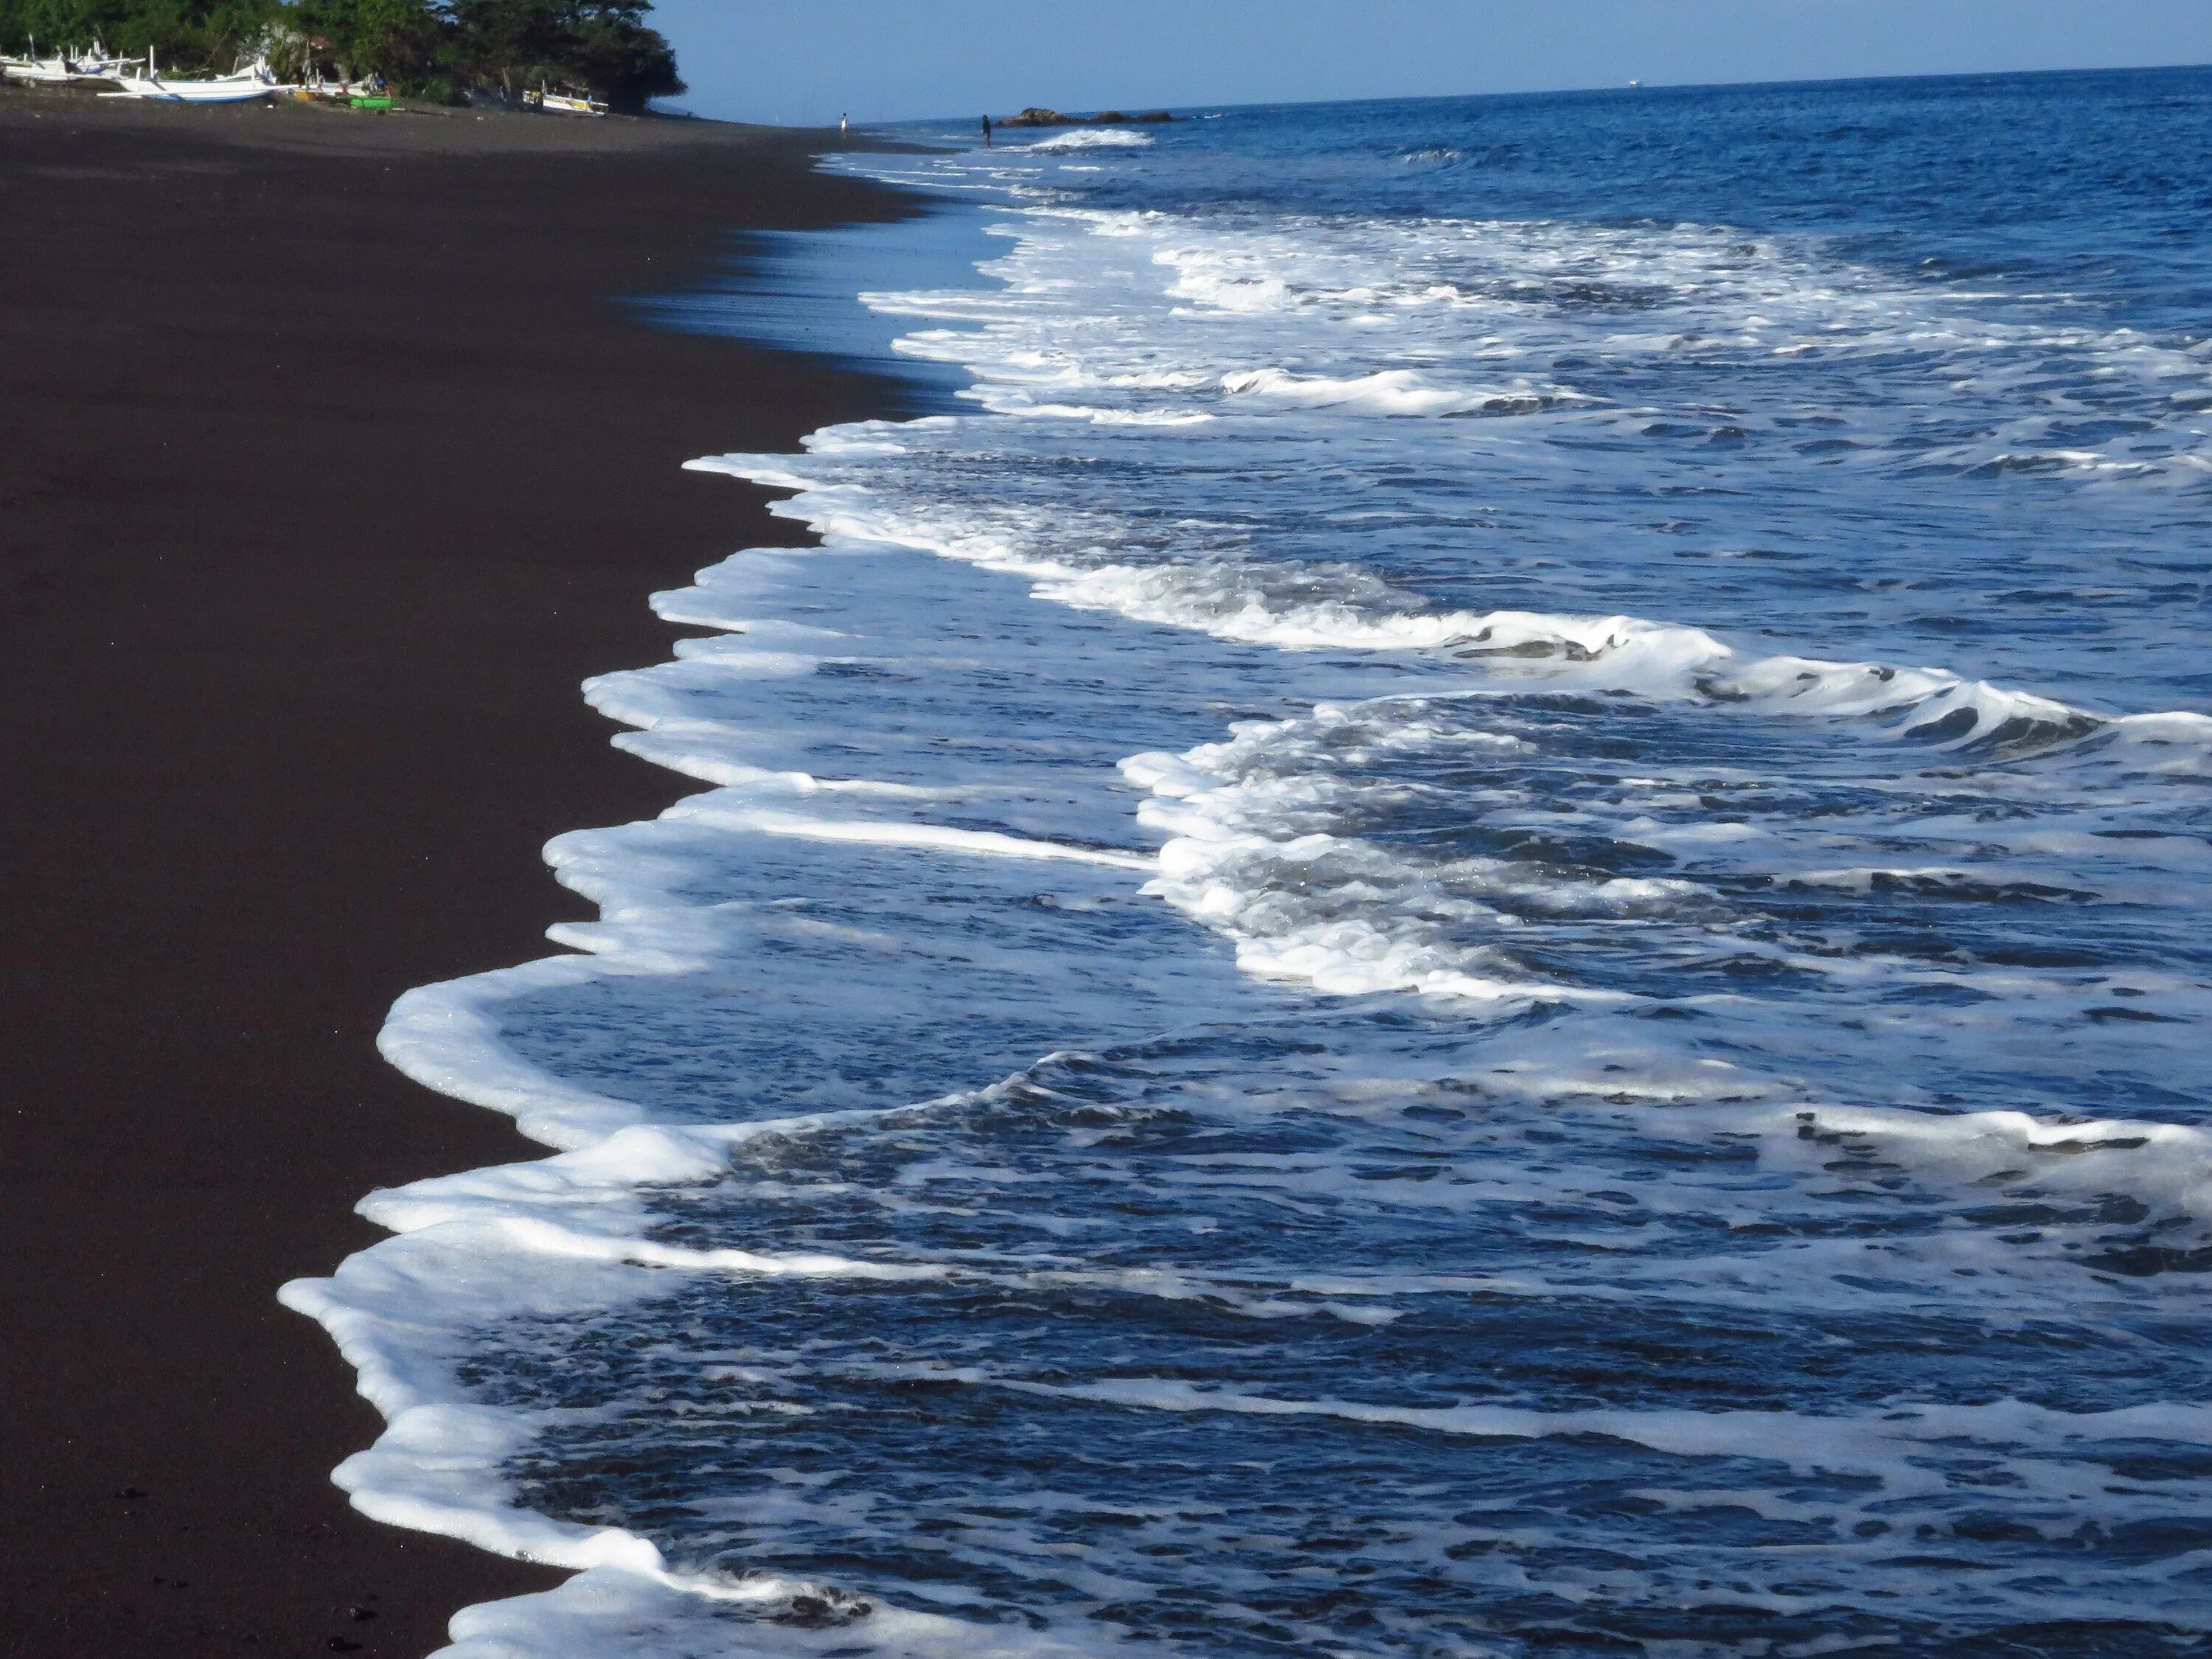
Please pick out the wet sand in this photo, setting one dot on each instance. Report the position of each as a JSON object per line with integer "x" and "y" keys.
{"x": 329, "y": 466}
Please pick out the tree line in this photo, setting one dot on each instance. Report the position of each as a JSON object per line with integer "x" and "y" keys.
{"x": 438, "y": 49}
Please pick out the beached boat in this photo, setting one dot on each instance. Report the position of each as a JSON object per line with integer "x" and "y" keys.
{"x": 38, "y": 71}
{"x": 565, "y": 103}
{"x": 341, "y": 91}
{"x": 67, "y": 67}
{"x": 100, "y": 64}
{"x": 241, "y": 88}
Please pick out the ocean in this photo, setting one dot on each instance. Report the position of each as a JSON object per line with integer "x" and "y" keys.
{"x": 1466, "y": 917}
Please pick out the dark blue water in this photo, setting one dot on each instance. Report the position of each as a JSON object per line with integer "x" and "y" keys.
{"x": 1467, "y": 917}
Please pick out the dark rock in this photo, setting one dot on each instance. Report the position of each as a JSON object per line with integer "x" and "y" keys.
{"x": 360, "y": 1615}
{"x": 827, "y": 1611}
{"x": 340, "y": 1644}
{"x": 1036, "y": 116}
{"x": 130, "y": 1493}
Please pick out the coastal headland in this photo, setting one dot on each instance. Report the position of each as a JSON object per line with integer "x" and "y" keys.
{"x": 330, "y": 464}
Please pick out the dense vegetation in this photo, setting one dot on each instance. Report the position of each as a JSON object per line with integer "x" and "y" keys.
{"x": 436, "y": 48}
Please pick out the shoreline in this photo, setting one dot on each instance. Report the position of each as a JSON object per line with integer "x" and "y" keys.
{"x": 330, "y": 465}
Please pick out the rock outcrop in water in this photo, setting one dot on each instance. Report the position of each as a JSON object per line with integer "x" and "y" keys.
{"x": 1037, "y": 117}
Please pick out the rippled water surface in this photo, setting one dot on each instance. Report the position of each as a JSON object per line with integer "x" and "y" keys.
{"x": 1472, "y": 922}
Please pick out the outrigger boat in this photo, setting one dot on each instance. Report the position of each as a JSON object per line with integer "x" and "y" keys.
{"x": 239, "y": 89}
{"x": 368, "y": 93}
{"x": 565, "y": 103}
{"x": 342, "y": 90}
{"x": 36, "y": 70}
{"x": 102, "y": 66}
{"x": 69, "y": 68}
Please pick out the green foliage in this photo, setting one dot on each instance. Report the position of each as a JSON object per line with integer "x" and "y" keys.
{"x": 441, "y": 47}
{"x": 604, "y": 45}
{"x": 399, "y": 39}
{"x": 187, "y": 34}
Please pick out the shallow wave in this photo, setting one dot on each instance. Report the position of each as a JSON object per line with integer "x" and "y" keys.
{"x": 1304, "y": 607}
{"x": 1094, "y": 139}
{"x": 1389, "y": 392}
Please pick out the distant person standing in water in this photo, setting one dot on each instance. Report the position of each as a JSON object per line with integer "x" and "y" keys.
{"x": 987, "y": 132}
{"x": 842, "y": 126}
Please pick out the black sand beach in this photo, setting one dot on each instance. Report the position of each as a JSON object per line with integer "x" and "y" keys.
{"x": 327, "y": 471}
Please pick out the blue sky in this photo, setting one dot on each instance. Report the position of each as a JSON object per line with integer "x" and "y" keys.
{"x": 900, "y": 59}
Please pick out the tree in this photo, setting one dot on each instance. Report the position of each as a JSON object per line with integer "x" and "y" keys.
{"x": 618, "y": 57}
{"x": 604, "y": 45}
{"x": 187, "y": 34}
{"x": 56, "y": 22}
{"x": 399, "y": 39}
{"x": 431, "y": 46}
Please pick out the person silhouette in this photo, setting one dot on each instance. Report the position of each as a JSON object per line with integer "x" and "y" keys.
{"x": 842, "y": 125}
{"x": 987, "y": 132}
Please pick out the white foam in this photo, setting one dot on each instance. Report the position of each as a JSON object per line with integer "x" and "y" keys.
{"x": 1093, "y": 138}
{"x": 612, "y": 1613}
{"x": 445, "y": 1037}
{"x": 1386, "y": 392}
{"x": 985, "y": 843}
{"x": 1274, "y": 604}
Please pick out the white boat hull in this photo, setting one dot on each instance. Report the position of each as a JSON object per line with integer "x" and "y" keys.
{"x": 563, "y": 103}
{"x": 69, "y": 69}
{"x": 242, "y": 89}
